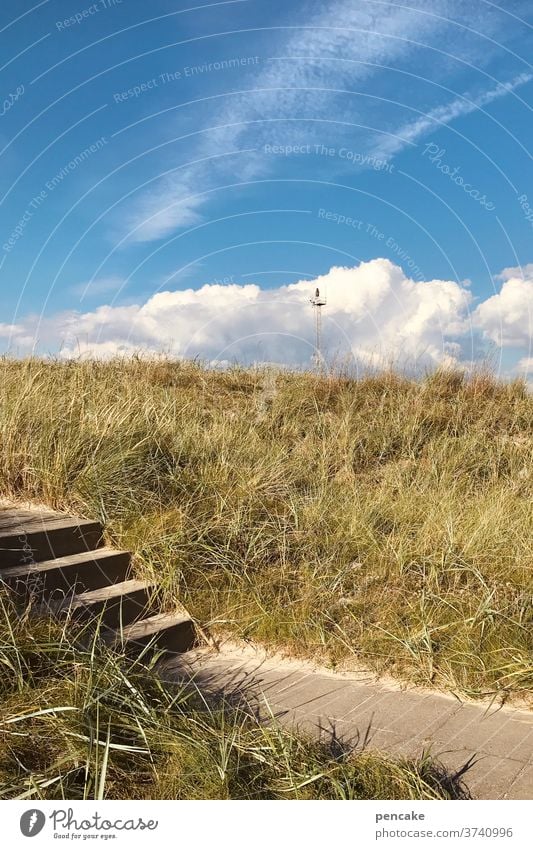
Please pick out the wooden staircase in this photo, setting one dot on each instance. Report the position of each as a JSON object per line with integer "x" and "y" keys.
{"x": 61, "y": 563}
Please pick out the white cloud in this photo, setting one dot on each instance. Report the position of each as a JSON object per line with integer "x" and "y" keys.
{"x": 306, "y": 62}
{"x": 515, "y": 271}
{"x": 525, "y": 366}
{"x": 97, "y": 286}
{"x": 373, "y": 312}
{"x": 507, "y": 317}
{"x": 435, "y": 118}
{"x": 337, "y": 47}
{"x": 164, "y": 209}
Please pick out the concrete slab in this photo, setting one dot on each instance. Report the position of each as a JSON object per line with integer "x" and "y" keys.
{"x": 492, "y": 777}
{"x": 317, "y": 694}
{"x": 424, "y": 718}
{"x": 494, "y": 733}
{"x": 496, "y": 744}
{"x": 522, "y": 786}
{"x": 349, "y": 703}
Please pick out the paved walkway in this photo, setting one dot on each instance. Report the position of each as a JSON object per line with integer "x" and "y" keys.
{"x": 496, "y": 743}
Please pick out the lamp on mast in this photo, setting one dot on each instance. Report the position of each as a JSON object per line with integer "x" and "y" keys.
{"x": 318, "y": 302}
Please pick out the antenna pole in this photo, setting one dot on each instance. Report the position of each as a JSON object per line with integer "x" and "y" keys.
{"x": 318, "y": 302}
{"x": 318, "y": 328}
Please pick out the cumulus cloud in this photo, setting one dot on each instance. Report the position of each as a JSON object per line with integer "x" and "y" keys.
{"x": 515, "y": 271}
{"x": 525, "y": 366}
{"x": 373, "y": 311}
{"x": 507, "y": 317}
{"x": 374, "y": 314}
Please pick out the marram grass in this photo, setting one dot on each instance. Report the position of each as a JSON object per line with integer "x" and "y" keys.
{"x": 78, "y": 722}
{"x": 380, "y": 521}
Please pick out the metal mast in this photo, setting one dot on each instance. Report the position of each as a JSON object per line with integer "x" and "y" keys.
{"x": 318, "y": 302}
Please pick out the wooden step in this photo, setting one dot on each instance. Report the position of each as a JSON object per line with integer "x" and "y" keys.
{"x": 74, "y": 573}
{"x": 62, "y": 561}
{"x": 114, "y": 606}
{"x": 173, "y": 632}
{"x": 16, "y": 517}
{"x": 41, "y": 537}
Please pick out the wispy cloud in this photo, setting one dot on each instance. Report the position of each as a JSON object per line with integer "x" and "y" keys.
{"x": 445, "y": 114}
{"x": 98, "y": 286}
{"x": 297, "y": 81}
{"x": 170, "y": 206}
{"x": 337, "y": 48}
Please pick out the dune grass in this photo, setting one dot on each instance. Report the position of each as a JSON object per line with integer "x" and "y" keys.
{"x": 381, "y": 520}
{"x": 78, "y": 722}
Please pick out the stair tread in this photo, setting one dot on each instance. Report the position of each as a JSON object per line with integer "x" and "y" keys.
{"x": 44, "y": 538}
{"x": 123, "y": 606}
{"x": 15, "y": 517}
{"x": 63, "y": 562}
{"x": 111, "y": 591}
{"x": 41, "y": 525}
{"x": 153, "y": 624}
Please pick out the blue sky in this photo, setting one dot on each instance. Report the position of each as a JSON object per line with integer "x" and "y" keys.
{"x": 178, "y": 178}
